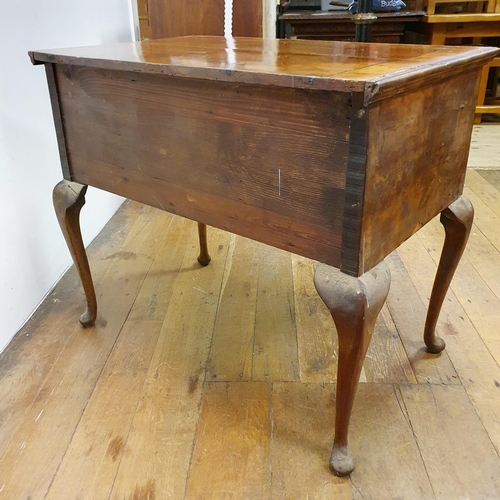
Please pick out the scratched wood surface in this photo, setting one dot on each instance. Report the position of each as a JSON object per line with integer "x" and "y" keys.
{"x": 219, "y": 382}
{"x": 246, "y": 147}
{"x": 398, "y": 216}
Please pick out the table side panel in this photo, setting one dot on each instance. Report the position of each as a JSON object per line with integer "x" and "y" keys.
{"x": 264, "y": 162}
{"x": 58, "y": 122}
{"x": 419, "y": 145}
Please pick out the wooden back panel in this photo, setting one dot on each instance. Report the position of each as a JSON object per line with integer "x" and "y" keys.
{"x": 262, "y": 162}
{"x": 247, "y": 18}
{"x": 169, "y": 18}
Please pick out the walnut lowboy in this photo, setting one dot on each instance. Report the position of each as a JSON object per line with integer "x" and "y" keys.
{"x": 335, "y": 151}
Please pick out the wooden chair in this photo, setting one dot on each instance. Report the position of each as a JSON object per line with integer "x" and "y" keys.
{"x": 477, "y": 6}
{"x": 453, "y": 28}
{"x": 494, "y": 106}
{"x": 442, "y": 27}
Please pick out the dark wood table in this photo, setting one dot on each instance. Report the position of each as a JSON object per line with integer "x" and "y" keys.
{"x": 389, "y": 27}
{"x": 335, "y": 151}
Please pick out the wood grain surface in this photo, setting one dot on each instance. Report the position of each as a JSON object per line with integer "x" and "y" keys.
{"x": 378, "y": 69}
{"x": 171, "y": 18}
{"x": 247, "y": 18}
{"x": 413, "y": 173}
{"x": 227, "y": 155}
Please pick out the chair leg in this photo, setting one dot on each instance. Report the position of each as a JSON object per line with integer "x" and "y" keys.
{"x": 457, "y": 221}
{"x": 69, "y": 198}
{"x": 483, "y": 83}
{"x": 354, "y": 304}
{"x": 438, "y": 35}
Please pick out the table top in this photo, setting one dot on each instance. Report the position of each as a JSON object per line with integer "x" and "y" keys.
{"x": 376, "y": 69}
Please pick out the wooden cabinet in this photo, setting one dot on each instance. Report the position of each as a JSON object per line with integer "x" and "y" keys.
{"x": 317, "y": 25}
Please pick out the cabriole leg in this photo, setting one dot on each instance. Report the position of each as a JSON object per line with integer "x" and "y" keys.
{"x": 69, "y": 198}
{"x": 204, "y": 257}
{"x": 354, "y": 304}
{"x": 457, "y": 222}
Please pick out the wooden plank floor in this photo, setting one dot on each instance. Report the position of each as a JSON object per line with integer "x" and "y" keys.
{"x": 485, "y": 147}
{"x": 219, "y": 382}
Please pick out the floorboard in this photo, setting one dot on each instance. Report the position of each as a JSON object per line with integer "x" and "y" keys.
{"x": 485, "y": 147}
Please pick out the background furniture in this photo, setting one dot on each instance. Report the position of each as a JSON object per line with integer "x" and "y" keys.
{"x": 478, "y": 28}
{"x": 450, "y": 5}
{"x": 316, "y": 25}
{"x": 491, "y": 105}
{"x": 144, "y": 21}
{"x": 440, "y": 29}
{"x": 170, "y": 18}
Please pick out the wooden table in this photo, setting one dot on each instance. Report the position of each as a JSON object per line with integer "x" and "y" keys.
{"x": 335, "y": 151}
{"x": 389, "y": 27}
{"x": 439, "y": 29}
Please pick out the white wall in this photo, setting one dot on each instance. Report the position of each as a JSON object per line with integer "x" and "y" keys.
{"x": 33, "y": 254}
